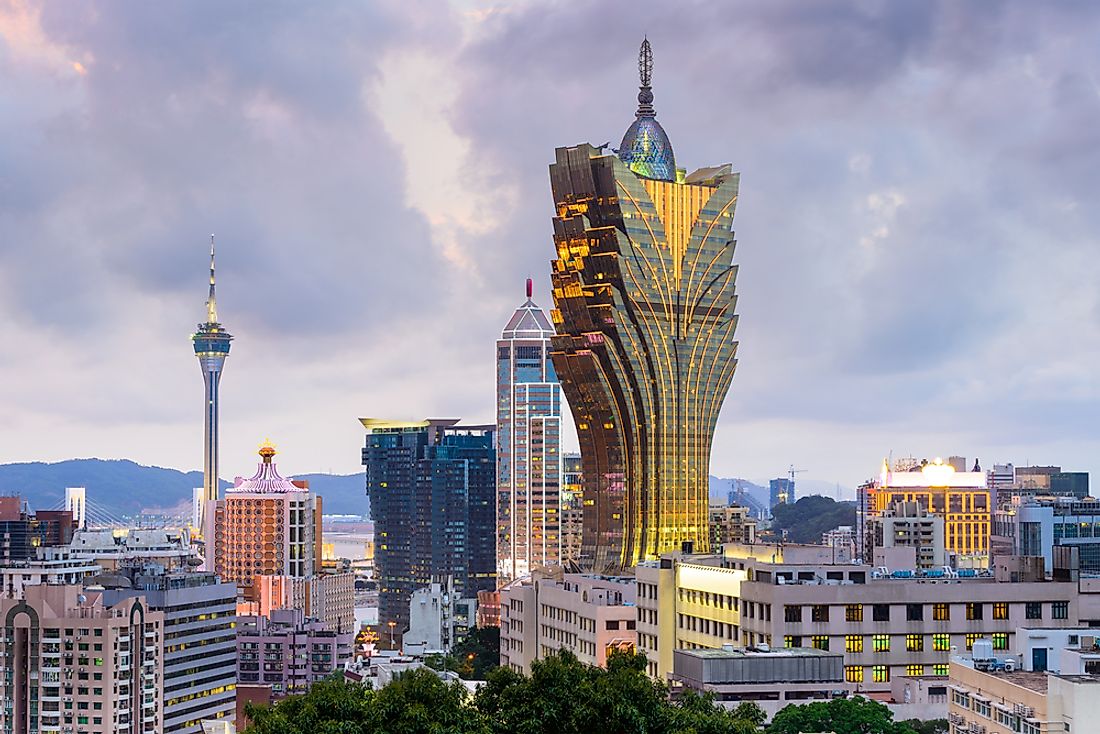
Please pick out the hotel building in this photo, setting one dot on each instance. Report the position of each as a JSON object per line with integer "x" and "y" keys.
{"x": 643, "y": 287}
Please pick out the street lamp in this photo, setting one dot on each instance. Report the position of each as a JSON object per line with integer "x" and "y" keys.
{"x": 391, "y": 624}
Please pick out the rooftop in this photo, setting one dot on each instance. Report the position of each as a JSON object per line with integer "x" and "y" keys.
{"x": 752, "y": 652}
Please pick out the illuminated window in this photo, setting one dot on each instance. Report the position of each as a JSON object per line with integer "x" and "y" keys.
{"x": 880, "y": 643}
{"x": 853, "y": 613}
{"x": 914, "y": 670}
{"x": 914, "y": 643}
{"x": 853, "y": 643}
{"x": 971, "y": 639}
{"x": 853, "y": 673}
{"x": 941, "y": 612}
{"x": 941, "y": 642}
{"x": 941, "y": 669}
{"x": 974, "y": 610}
{"x": 1000, "y": 640}
{"x": 880, "y": 674}
{"x": 821, "y": 642}
{"x": 788, "y": 641}
{"x": 1000, "y": 610}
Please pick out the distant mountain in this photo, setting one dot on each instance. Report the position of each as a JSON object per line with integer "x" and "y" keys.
{"x": 720, "y": 487}
{"x": 121, "y": 487}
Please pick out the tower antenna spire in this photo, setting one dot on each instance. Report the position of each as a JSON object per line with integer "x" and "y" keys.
{"x": 645, "y": 75}
{"x": 211, "y": 302}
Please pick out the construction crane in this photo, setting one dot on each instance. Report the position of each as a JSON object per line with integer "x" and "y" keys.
{"x": 790, "y": 486}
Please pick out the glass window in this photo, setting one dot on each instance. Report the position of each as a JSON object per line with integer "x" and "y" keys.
{"x": 914, "y": 643}
{"x": 941, "y": 612}
{"x": 974, "y": 610}
{"x": 881, "y": 612}
{"x": 941, "y": 642}
{"x": 914, "y": 670}
{"x": 1000, "y": 610}
{"x": 788, "y": 640}
{"x": 853, "y": 673}
{"x": 1033, "y": 610}
{"x": 853, "y": 613}
{"x": 1000, "y": 640}
{"x": 792, "y": 613}
{"x": 914, "y": 612}
{"x": 941, "y": 669}
{"x": 820, "y": 642}
{"x": 1059, "y": 610}
{"x": 880, "y": 674}
{"x": 880, "y": 643}
{"x": 853, "y": 643}
{"x": 971, "y": 639}
{"x": 819, "y": 613}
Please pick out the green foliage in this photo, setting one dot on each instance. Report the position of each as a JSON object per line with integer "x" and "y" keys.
{"x": 841, "y": 715}
{"x": 808, "y": 518}
{"x": 933, "y": 726}
{"x": 478, "y": 653}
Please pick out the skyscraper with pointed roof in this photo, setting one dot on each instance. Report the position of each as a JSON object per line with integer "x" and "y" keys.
{"x": 643, "y": 286}
{"x": 211, "y": 343}
{"x": 528, "y": 446}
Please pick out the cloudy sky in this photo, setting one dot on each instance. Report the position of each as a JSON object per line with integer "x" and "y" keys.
{"x": 917, "y": 233}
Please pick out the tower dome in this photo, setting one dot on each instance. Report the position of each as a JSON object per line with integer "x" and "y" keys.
{"x": 645, "y": 148}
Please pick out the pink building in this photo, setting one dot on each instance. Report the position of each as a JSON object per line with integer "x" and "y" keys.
{"x": 288, "y": 651}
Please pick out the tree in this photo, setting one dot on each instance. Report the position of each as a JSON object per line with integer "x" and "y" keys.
{"x": 806, "y": 520}
{"x": 932, "y": 726}
{"x": 841, "y": 715}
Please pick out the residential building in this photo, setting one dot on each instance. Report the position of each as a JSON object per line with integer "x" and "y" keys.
{"x": 438, "y": 618}
{"x": 212, "y": 344}
{"x": 588, "y": 615}
{"x": 22, "y": 532}
{"x": 572, "y": 508}
{"x": 909, "y": 525}
{"x": 905, "y": 623}
{"x": 266, "y": 525}
{"x": 993, "y": 700}
{"x": 770, "y": 678}
{"x": 842, "y": 541}
{"x": 112, "y": 548}
{"x": 199, "y": 640}
{"x": 432, "y": 489}
{"x": 288, "y": 651}
{"x": 781, "y": 492}
{"x": 960, "y": 498}
{"x": 488, "y": 609}
{"x": 731, "y": 524}
{"x": 327, "y": 597}
{"x": 49, "y": 566}
{"x": 643, "y": 287}
{"x": 528, "y": 460}
{"x": 1036, "y": 526}
{"x": 74, "y": 663}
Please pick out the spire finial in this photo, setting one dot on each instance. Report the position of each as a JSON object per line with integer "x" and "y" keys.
{"x": 645, "y": 74}
{"x": 529, "y": 289}
{"x": 211, "y": 302}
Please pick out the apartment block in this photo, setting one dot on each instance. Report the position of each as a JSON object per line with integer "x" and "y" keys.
{"x": 731, "y": 524}
{"x": 74, "y": 663}
{"x": 288, "y": 651}
{"x": 588, "y": 615}
{"x": 909, "y": 525}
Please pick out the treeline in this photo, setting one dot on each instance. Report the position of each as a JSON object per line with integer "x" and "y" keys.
{"x": 808, "y": 518}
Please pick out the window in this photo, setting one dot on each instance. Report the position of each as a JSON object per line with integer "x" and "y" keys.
{"x": 914, "y": 670}
{"x": 792, "y": 613}
{"x": 914, "y": 643}
{"x": 819, "y": 613}
{"x": 1059, "y": 610}
{"x": 853, "y": 613}
{"x": 880, "y": 643}
{"x": 853, "y": 673}
{"x": 941, "y": 612}
{"x": 974, "y": 610}
{"x": 611, "y": 624}
{"x": 853, "y": 643}
{"x": 971, "y": 639}
{"x": 820, "y": 642}
{"x": 941, "y": 669}
{"x": 914, "y": 612}
{"x": 941, "y": 642}
{"x": 1000, "y": 640}
{"x": 880, "y": 612}
{"x": 1033, "y": 610}
{"x": 880, "y": 674}
{"x": 1000, "y": 610}
{"x": 788, "y": 640}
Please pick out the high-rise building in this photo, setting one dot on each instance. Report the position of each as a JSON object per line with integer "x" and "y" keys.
{"x": 266, "y": 525}
{"x": 74, "y": 663}
{"x": 643, "y": 286}
{"x": 22, "y": 532}
{"x": 432, "y": 489}
{"x": 529, "y": 463}
{"x": 211, "y": 343}
{"x": 781, "y": 492}
{"x": 572, "y": 508}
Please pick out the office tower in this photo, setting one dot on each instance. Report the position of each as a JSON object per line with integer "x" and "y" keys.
{"x": 1035, "y": 477}
{"x": 211, "y": 343}
{"x": 643, "y": 286}
{"x": 1070, "y": 484}
{"x": 76, "y": 503}
{"x": 200, "y": 642}
{"x": 266, "y": 525}
{"x": 66, "y": 644}
{"x": 528, "y": 446}
{"x": 288, "y": 651}
{"x": 22, "y": 532}
{"x": 781, "y": 492}
{"x": 572, "y": 508}
{"x": 432, "y": 489}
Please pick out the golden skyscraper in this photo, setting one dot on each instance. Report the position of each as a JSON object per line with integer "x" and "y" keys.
{"x": 644, "y": 295}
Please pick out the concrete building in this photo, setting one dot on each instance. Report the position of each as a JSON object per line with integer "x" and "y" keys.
{"x": 288, "y": 651}
{"x": 909, "y": 525}
{"x": 113, "y": 549}
{"x": 588, "y": 615}
{"x": 572, "y": 508}
{"x": 266, "y": 525}
{"x": 55, "y": 566}
{"x": 22, "y": 532}
{"x": 996, "y": 701}
{"x": 1068, "y": 650}
{"x": 199, "y": 640}
{"x": 842, "y": 541}
{"x": 731, "y": 524}
{"x": 76, "y": 664}
{"x": 770, "y": 678}
{"x": 528, "y": 460}
{"x": 904, "y": 624}
{"x": 1035, "y": 526}
{"x": 327, "y": 597}
{"x": 438, "y": 618}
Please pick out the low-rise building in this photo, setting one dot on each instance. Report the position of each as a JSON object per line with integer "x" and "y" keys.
{"x": 437, "y": 618}
{"x": 328, "y": 597}
{"x": 48, "y": 566}
{"x": 112, "y": 549}
{"x": 842, "y": 541}
{"x": 909, "y": 525}
{"x": 731, "y": 524}
{"x": 588, "y": 615}
{"x": 288, "y": 651}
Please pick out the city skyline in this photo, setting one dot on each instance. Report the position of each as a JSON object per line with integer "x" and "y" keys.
{"x": 883, "y": 257}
